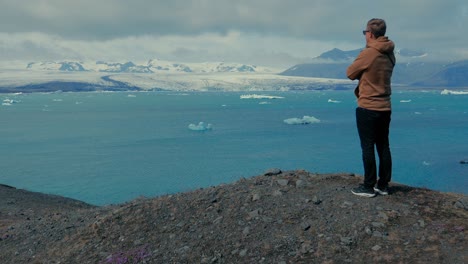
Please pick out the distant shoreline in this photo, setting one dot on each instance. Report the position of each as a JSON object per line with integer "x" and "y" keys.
{"x": 66, "y": 86}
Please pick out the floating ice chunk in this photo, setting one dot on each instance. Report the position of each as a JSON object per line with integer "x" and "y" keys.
{"x": 405, "y": 101}
{"x": 263, "y": 103}
{"x": 200, "y": 127}
{"x": 301, "y": 121}
{"x": 131, "y": 95}
{"x": 446, "y": 91}
{"x": 334, "y": 101}
{"x": 9, "y": 102}
{"x": 425, "y": 163}
{"x": 259, "y": 96}
{"x": 179, "y": 94}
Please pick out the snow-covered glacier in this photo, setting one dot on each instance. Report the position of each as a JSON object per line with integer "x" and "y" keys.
{"x": 154, "y": 75}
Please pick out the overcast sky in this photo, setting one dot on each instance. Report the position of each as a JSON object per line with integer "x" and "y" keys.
{"x": 263, "y": 32}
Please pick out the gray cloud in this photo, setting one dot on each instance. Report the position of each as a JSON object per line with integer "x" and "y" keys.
{"x": 417, "y": 24}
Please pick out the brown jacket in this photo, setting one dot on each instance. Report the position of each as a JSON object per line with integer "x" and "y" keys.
{"x": 374, "y": 67}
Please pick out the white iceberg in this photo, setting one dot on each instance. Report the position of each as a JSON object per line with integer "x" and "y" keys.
{"x": 334, "y": 101}
{"x": 446, "y": 91}
{"x": 259, "y": 96}
{"x": 200, "y": 127}
{"x": 302, "y": 121}
{"x": 9, "y": 101}
{"x": 405, "y": 101}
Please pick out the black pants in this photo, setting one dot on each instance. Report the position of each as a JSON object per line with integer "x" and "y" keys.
{"x": 373, "y": 128}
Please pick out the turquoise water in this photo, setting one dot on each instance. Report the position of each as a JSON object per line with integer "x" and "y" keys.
{"x": 106, "y": 148}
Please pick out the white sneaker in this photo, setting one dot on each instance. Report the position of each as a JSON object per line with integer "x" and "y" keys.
{"x": 382, "y": 191}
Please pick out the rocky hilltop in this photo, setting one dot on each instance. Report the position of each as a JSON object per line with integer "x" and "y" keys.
{"x": 279, "y": 217}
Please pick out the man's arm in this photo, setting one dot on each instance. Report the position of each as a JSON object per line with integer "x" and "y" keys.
{"x": 360, "y": 64}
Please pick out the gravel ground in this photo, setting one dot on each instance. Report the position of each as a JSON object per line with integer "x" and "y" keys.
{"x": 279, "y": 217}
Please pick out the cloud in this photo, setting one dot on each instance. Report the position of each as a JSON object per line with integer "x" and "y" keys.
{"x": 232, "y": 47}
{"x": 262, "y": 31}
{"x": 330, "y": 20}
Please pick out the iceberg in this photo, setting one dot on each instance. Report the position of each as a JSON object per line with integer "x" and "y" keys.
{"x": 446, "y": 91}
{"x": 9, "y": 102}
{"x": 405, "y": 101}
{"x": 259, "y": 96}
{"x": 200, "y": 127}
{"x": 333, "y": 101}
{"x": 301, "y": 121}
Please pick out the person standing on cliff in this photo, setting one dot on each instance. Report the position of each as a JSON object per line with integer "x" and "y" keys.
{"x": 373, "y": 67}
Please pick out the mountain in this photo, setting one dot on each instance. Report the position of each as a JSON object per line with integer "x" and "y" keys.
{"x": 452, "y": 75}
{"x": 120, "y": 67}
{"x": 325, "y": 72}
{"x": 413, "y": 68}
{"x": 152, "y": 66}
{"x": 57, "y": 66}
{"x": 337, "y": 55}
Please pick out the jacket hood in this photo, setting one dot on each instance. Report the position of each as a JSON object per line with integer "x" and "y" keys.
{"x": 382, "y": 44}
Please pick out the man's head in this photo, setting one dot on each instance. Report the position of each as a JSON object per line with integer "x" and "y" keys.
{"x": 376, "y": 27}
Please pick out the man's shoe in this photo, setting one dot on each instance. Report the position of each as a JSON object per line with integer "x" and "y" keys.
{"x": 381, "y": 191}
{"x": 363, "y": 191}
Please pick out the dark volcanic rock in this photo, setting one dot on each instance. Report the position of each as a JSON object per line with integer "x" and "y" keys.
{"x": 254, "y": 220}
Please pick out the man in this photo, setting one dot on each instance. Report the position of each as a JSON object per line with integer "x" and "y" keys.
{"x": 374, "y": 67}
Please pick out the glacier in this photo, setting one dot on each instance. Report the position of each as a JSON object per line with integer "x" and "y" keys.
{"x": 155, "y": 75}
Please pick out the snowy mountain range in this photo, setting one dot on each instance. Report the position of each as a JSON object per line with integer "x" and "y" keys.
{"x": 325, "y": 72}
{"x": 152, "y": 66}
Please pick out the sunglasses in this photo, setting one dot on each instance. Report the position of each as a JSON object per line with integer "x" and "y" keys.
{"x": 365, "y": 31}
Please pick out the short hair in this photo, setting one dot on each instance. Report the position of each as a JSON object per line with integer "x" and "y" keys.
{"x": 377, "y": 27}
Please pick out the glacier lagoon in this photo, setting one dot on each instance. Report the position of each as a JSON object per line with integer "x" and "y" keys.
{"x": 105, "y": 148}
